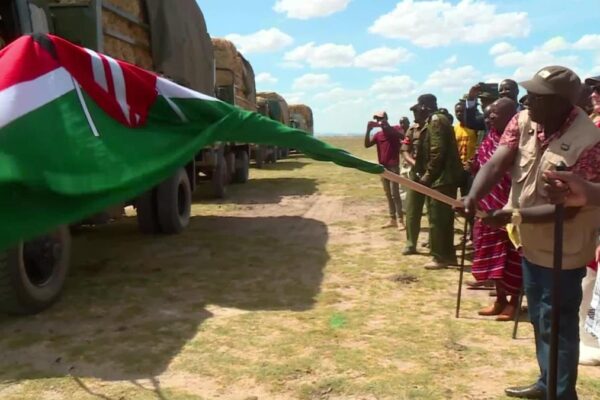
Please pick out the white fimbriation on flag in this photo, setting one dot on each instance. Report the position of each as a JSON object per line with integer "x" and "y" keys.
{"x": 25, "y": 97}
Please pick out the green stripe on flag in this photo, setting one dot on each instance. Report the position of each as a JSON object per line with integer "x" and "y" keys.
{"x": 53, "y": 170}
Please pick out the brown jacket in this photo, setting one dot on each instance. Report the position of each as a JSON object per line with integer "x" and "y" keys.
{"x": 527, "y": 191}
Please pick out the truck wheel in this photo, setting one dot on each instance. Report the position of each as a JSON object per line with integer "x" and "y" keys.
{"x": 33, "y": 273}
{"x": 230, "y": 160}
{"x": 242, "y": 169}
{"x": 147, "y": 213}
{"x": 261, "y": 155}
{"x": 174, "y": 203}
{"x": 274, "y": 155}
{"x": 219, "y": 178}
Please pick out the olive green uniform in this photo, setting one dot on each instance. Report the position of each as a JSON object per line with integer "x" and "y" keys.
{"x": 438, "y": 166}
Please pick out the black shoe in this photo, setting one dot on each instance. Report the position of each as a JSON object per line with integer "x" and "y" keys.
{"x": 409, "y": 251}
{"x": 526, "y": 392}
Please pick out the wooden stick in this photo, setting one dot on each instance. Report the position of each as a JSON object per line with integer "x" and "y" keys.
{"x": 427, "y": 191}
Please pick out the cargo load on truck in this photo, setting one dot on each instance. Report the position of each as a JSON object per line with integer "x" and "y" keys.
{"x": 301, "y": 117}
{"x": 152, "y": 34}
{"x": 279, "y": 111}
{"x": 233, "y": 71}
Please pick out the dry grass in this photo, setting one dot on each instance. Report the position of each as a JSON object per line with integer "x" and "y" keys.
{"x": 287, "y": 290}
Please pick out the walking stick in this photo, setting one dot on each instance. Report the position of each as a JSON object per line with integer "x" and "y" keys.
{"x": 462, "y": 267}
{"x": 557, "y": 267}
{"x": 518, "y": 312}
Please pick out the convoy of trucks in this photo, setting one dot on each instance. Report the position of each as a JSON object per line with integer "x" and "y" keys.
{"x": 170, "y": 38}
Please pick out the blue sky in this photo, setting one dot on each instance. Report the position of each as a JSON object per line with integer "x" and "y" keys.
{"x": 349, "y": 58}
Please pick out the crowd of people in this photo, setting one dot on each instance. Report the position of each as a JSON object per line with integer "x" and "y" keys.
{"x": 502, "y": 159}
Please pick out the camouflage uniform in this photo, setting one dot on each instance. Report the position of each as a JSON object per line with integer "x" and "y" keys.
{"x": 438, "y": 166}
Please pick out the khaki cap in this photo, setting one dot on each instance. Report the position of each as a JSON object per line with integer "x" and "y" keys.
{"x": 555, "y": 80}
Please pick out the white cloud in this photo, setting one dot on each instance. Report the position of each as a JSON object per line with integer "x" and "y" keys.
{"x": 453, "y": 79}
{"x": 383, "y": 58}
{"x": 327, "y": 55}
{"x": 294, "y": 97}
{"x": 555, "y": 51}
{"x": 501, "y": 48}
{"x": 331, "y": 55}
{"x": 263, "y": 41}
{"x": 588, "y": 42}
{"x": 557, "y": 43}
{"x": 434, "y": 23}
{"x": 393, "y": 87}
{"x": 453, "y": 59}
{"x": 528, "y": 63}
{"x": 306, "y": 9}
{"x": 311, "y": 81}
{"x": 266, "y": 78}
{"x": 339, "y": 95}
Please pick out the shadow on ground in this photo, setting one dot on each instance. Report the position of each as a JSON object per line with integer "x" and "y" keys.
{"x": 287, "y": 165}
{"x": 133, "y": 302}
{"x": 260, "y": 191}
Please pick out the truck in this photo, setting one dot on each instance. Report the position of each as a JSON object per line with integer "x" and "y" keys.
{"x": 301, "y": 117}
{"x": 235, "y": 84}
{"x": 170, "y": 38}
{"x": 279, "y": 111}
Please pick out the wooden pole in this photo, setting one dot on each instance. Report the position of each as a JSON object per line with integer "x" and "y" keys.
{"x": 427, "y": 191}
{"x": 462, "y": 268}
{"x": 552, "y": 378}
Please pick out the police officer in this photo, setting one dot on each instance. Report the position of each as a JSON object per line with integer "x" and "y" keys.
{"x": 437, "y": 165}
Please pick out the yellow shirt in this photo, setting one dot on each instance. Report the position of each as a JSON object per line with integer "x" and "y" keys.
{"x": 466, "y": 139}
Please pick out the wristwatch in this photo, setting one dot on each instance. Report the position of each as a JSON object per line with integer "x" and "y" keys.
{"x": 516, "y": 218}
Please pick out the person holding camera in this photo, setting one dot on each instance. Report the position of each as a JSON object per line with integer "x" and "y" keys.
{"x": 388, "y": 141}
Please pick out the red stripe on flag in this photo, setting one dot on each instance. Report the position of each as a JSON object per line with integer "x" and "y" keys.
{"x": 24, "y": 60}
{"x": 140, "y": 85}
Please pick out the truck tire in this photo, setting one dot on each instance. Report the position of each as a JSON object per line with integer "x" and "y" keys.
{"x": 273, "y": 157}
{"x": 174, "y": 203}
{"x": 242, "y": 169}
{"x": 219, "y": 178}
{"x": 147, "y": 213}
{"x": 230, "y": 161}
{"x": 261, "y": 155}
{"x": 33, "y": 273}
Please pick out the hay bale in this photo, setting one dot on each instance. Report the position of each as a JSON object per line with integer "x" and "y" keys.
{"x": 138, "y": 53}
{"x": 306, "y": 114}
{"x": 279, "y": 102}
{"x": 236, "y": 71}
{"x": 225, "y": 53}
{"x": 133, "y": 7}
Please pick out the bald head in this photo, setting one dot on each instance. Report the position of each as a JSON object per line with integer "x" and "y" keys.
{"x": 509, "y": 88}
{"x": 501, "y": 112}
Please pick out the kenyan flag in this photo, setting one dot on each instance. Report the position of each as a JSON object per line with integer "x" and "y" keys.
{"x": 80, "y": 131}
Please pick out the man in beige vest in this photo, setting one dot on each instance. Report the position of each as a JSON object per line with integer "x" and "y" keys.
{"x": 552, "y": 131}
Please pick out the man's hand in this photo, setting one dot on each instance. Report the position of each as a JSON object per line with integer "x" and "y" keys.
{"x": 469, "y": 207}
{"x": 566, "y": 188}
{"x": 372, "y": 124}
{"x": 425, "y": 180}
{"x": 474, "y": 92}
{"x": 497, "y": 218}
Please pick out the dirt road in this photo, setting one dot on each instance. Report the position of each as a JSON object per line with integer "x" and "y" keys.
{"x": 288, "y": 289}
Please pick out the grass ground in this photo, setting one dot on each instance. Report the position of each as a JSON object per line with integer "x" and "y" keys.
{"x": 288, "y": 289}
